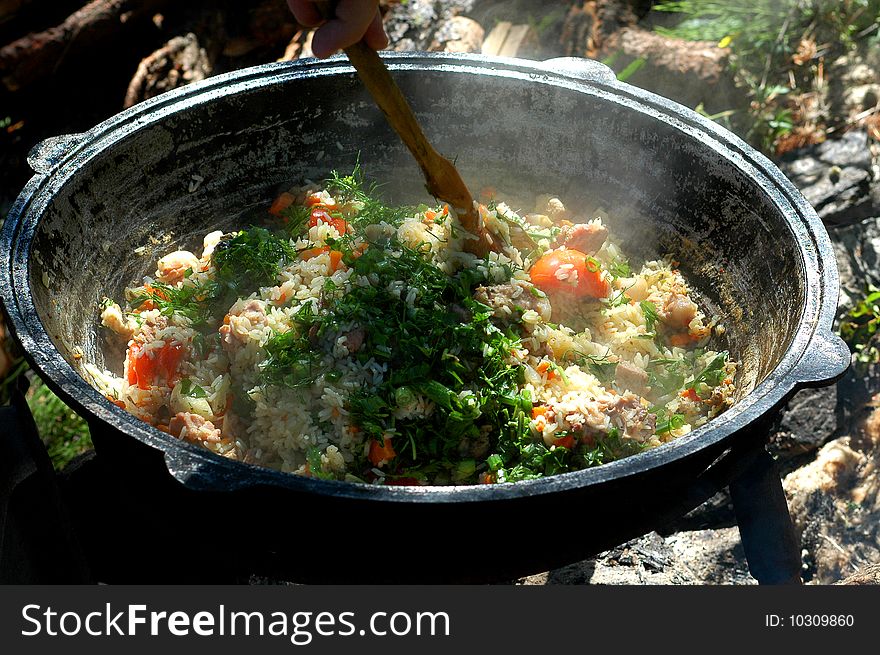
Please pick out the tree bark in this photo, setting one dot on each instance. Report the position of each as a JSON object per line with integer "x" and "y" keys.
{"x": 36, "y": 56}
{"x": 867, "y": 575}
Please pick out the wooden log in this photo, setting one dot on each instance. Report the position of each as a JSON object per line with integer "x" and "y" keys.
{"x": 495, "y": 41}
{"x": 867, "y": 575}
{"x": 34, "y": 57}
{"x": 690, "y": 72}
{"x": 179, "y": 62}
{"x": 509, "y": 40}
{"x": 700, "y": 62}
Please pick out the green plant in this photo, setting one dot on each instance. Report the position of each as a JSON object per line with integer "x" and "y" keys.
{"x": 774, "y": 44}
{"x": 859, "y": 327}
{"x": 64, "y": 433}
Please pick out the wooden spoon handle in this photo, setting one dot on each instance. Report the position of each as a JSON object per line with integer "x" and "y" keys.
{"x": 442, "y": 178}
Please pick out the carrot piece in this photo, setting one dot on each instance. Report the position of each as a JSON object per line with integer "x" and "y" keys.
{"x": 313, "y": 200}
{"x": 542, "y": 367}
{"x": 118, "y": 403}
{"x": 565, "y": 442}
{"x": 681, "y": 340}
{"x": 691, "y": 394}
{"x": 313, "y": 252}
{"x": 281, "y": 203}
{"x": 383, "y": 453}
{"x": 539, "y": 410}
{"x": 158, "y": 293}
{"x": 335, "y": 261}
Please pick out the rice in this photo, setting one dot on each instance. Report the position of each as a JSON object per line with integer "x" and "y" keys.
{"x": 534, "y": 378}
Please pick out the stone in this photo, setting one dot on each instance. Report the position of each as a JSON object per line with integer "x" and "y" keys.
{"x": 807, "y": 422}
{"x": 857, "y": 250}
{"x": 695, "y": 557}
{"x": 458, "y": 34}
{"x": 412, "y": 25}
{"x": 837, "y": 178}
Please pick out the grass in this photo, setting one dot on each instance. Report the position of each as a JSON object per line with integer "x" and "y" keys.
{"x": 63, "y": 432}
{"x": 860, "y": 326}
{"x": 778, "y": 53}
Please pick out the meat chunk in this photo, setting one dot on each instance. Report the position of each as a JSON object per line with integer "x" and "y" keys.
{"x": 509, "y": 301}
{"x": 194, "y": 428}
{"x": 210, "y": 243}
{"x": 242, "y": 319}
{"x": 355, "y": 339}
{"x": 112, "y": 318}
{"x": 628, "y": 415}
{"x": 587, "y": 238}
{"x": 172, "y": 267}
{"x": 551, "y": 207}
{"x": 632, "y": 378}
{"x": 678, "y": 312}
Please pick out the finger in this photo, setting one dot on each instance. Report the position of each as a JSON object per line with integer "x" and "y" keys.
{"x": 305, "y": 12}
{"x": 376, "y": 37}
{"x": 353, "y": 17}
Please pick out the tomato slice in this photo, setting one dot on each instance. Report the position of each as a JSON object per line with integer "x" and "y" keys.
{"x": 569, "y": 272}
{"x": 143, "y": 370}
{"x": 321, "y": 215}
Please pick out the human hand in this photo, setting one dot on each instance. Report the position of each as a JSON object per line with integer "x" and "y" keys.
{"x": 355, "y": 20}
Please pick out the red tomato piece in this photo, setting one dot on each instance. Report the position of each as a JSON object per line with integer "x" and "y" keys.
{"x": 321, "y": 215}
{"x": 569, "y": 272}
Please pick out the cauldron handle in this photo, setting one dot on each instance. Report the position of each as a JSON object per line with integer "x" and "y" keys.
{"x": 580, "y": 68}
{"x": 825, "y": 360}
{"x": 49, "y": 153}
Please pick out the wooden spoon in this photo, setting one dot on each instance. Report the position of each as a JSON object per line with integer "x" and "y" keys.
{"x": 442, "y": 178}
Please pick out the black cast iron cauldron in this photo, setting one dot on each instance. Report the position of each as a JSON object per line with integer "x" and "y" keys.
{"x": 210, "y": 155}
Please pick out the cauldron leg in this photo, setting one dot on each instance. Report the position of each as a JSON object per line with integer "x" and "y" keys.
{"x": 765, "y": 527}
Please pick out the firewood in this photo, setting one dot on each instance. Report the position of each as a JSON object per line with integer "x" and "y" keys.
{"x": 702, "y": 62}
{"x": 508, "y": 40}
{"x": 867, "y": 575}
{"x": 180, "y": 61}
{"x": 36, "y": 56}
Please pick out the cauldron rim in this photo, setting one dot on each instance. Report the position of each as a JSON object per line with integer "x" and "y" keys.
{"x": 814, "y": 356}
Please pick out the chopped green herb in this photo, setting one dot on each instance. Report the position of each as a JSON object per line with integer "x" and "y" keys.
{"x": 187, "y": 388}
{"x": 649, "y": 310}
{"x": 714, "y": 372}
